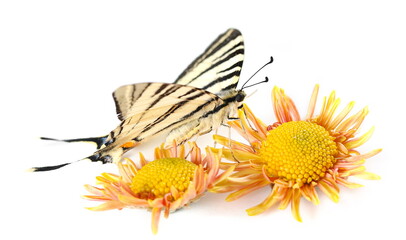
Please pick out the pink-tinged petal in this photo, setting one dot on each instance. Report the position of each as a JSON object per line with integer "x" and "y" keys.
{"x": 132, "y": 201}
{"x": 231, "y": 143}
{"x": 240, "y": 156}
{"x": 94, "y": 190}
{"x": 96, "y": 198}
{"x": 348, "y": 164}
{"x": 353, "y": 122}
{"x": 224, "y": 175}
{"x": 340, "y": 117}
{"x": 246, "y": 178}
{"x": 189, "y": 195}
{"x": 246, "y": 190}
{"x": 367, "y": 176}
{"x": 110, "y": 177}
{"x": 174, "y": 149}
{"x": 295, "y": 204}
{"x": 107, "y": 206}
{"x": 341, "y": 147}
{"x": 363, "y": 156}
{"x": 284, "y": 108}
{"x": 200, "y": 180}
{"x": 156, "y": 213}
{"x": 266, "y": 204}
{"x": 167, "y": 204}
{"x": 348, "y": 184}
{"x": 309, "y": 192}
{"x": 259, "y": 125}
{"x": 353, "y": 171}
{"x": 213, "y": 166}
{"x": 175, "y": 192}
{"x": 286, "y": 197}
{"x": 329, "y": 191}
{"x": 181, "y": 152}
{"x": 176, "y": 204}
{"x": 312, "y": 104}
{"x": 326, "y": 116}
{"x": 196, "y": 154}
{"x": 331, "y": 181}
{"x": 127, "y": 170}
{"x": 356, "y": 142}
{"x": 143, "y": 161}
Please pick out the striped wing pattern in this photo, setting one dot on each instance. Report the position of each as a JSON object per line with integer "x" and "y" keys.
{"x": 159, "y": 108}
{"x": 200, "y": 100}
{"x": 218, "y": 68}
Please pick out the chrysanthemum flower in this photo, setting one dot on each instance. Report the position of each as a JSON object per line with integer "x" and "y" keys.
{"x": 165, "y": 184}
{"x": 296, "y": 155}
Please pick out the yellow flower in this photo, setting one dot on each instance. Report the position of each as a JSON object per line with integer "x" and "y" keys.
{"x": 167, "y": 183}
{"x": 295, "y": 155}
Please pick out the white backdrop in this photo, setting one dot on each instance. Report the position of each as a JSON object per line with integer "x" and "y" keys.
{"x": 61, "y": 60}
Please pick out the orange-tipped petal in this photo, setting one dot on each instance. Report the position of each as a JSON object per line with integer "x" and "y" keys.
{"x": 367, "y": 176}
{"x": 247, "y": 189}
{"x": 295, "y": 204}
{"x": 266, "y": 204}
{"x": 107, "y": 206}
{"x": 329, "y": 191}
{"x": 356, "y": 142}
{"x": 312, "y": 104}
{"x": 156, "y": 213}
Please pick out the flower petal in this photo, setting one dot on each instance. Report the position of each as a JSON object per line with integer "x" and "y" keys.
{"x": 266, "y": 204}
{"x": 156, "y": 213}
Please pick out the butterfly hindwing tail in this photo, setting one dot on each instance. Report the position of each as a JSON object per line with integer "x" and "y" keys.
{"x": 99, "y": 141}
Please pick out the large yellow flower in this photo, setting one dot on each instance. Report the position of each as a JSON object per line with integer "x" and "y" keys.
{"x": 295, "y": 155}
{"x": 167, "y": 183}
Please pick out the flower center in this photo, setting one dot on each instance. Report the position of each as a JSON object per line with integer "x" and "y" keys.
{"x": 298, "y": 151}
{"x": 156, "y": 178}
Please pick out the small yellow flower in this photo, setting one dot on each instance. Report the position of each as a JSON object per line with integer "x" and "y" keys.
{"x": 167, "y": 183}
{"x": 295, "y": 155}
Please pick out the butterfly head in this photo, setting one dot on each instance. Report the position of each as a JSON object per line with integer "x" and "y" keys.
{"x": 240, "y": 96}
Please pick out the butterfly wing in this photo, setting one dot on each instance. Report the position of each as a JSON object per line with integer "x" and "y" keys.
{"x": 218, "y": 68}
{"x": 149, "y": 109}
{"x": 197, "y": 102}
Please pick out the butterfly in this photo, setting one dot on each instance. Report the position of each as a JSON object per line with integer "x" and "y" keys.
{"x": 203, "y": 97}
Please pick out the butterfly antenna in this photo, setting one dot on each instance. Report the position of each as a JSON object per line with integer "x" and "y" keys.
{"x": 266, "y": 78}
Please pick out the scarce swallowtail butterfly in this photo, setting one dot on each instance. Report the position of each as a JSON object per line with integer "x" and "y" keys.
{"x": 202, "y": 98}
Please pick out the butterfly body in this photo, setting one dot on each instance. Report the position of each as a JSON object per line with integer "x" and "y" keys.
{"x": 203, "y": 112}
{"x": 202, "y": 98}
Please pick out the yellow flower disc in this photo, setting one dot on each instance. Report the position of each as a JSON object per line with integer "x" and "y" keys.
{"x": 298, "y": 151}
{"x": 156, "y": 178}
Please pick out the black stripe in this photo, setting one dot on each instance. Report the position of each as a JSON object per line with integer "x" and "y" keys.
{"x": 233, "y": 34}
{"x": 222, "y": 79}
{"x": 232, "y": 49}
{"x": 161, "y": 88}
{"x": 132, "y": 94}
{"x": 160, "y": 97}
{"x": 229, "y": 87}
{"x": 171, "y": 110}
{"x": 216, "y": 109}
{"x": 133, "y": 100}
{"x": 185, "y": 117}
{"x": 239, "y": 63}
